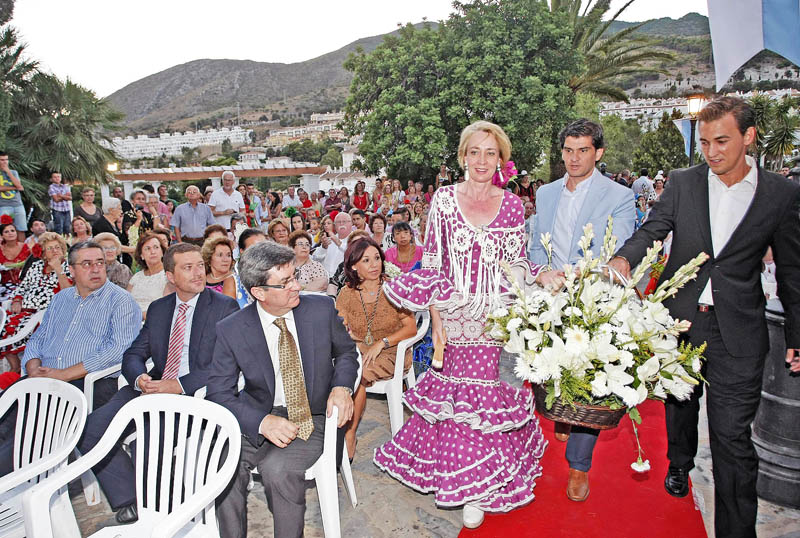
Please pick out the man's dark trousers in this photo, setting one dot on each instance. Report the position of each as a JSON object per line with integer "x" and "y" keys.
{"x": 734, "y": 392}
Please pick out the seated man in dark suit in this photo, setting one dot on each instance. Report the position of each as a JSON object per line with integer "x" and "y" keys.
{"x": 298, "y": 362}
{"x": 179, "y": 336}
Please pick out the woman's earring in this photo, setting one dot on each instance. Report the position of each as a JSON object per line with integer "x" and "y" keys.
{"x": 466, "y": 172}
{"x": 498, "y": 166}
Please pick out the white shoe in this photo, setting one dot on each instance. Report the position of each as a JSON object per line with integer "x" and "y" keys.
{"x": 473, "y": 516}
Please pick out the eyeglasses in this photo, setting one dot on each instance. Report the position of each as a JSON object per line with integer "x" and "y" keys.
{"x": 288, "y": 281}
{"x": 305, "y": 244}
{"x": 89, "y": 264}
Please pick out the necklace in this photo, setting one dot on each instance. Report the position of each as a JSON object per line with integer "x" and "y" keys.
{"x": 368, "y": 339}
{"x": 409, "y": 257}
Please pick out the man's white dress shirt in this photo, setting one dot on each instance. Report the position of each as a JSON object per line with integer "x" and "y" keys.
{"x": 272, "y": 334}
{"x": 726, "y": 209}
{"x": 183, "y": 369}
{"x": 330, "y": 257}
{"x": 291, "y": 201}
{"x": 569, "y": 206}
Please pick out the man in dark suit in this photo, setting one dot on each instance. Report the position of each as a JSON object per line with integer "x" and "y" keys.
{"x": 298, "y": 362}
{"x": 732, "y": 210}
{"x": 179, "y": 336}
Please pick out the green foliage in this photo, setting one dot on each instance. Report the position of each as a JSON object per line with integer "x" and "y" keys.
{"x": 662, "y": 148}
{"x": 776, "y": 125}
{"x": 332, "y": 158}
{"x": 227, "y": 147}
{"x": 587, "y": 106}
{"x": 622, "y": 139}
{"x": 507, "y": 62}
{"x": 222, "y": 161}
{"x": 310, "y": 151}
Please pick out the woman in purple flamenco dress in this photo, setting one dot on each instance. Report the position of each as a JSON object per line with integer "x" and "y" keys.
{"x": 472, "y": 440}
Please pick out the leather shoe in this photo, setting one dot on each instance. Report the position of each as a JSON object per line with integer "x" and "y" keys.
{"x": 562, "y": 431}
{"x": 127, "y": 514}
{"x": 677, "y": 482}
{"x": 578, "y": 485}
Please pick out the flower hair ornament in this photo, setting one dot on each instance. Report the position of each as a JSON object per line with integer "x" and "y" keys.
{"x": 504, "y": 174}
{"x": 6, "y": 219}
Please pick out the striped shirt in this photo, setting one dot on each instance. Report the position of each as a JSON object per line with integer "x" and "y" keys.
{"x": 59, "y": 188}
{"x": 94, "y": 331}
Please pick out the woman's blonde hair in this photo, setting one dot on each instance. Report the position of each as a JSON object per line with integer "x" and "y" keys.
{"x": 503, "y": 143}
{"x": 46, "y": 237}
{"x": 107, "y": 236}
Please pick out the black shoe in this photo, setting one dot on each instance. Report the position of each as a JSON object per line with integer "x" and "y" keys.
{"x": 677, "y": 482}
{"x": 127, "y": 514}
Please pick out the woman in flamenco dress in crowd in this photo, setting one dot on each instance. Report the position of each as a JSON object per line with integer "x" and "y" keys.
{"x": 473, "y": 440}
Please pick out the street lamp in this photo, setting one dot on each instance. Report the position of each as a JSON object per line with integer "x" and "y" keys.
{"x": 695, "y": 104}
{"x": 112, "y": 167}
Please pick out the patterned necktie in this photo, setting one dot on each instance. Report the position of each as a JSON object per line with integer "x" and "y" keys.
{"x": 294, "y": 386}
{"x": 176, "y": 344}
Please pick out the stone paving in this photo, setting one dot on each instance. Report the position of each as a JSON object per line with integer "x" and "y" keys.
{"x": 388, "y": 509}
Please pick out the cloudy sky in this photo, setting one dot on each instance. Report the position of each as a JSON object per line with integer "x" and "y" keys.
{"x": 106, "y": 44}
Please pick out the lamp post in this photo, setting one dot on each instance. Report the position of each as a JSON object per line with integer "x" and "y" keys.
{"x": 694, "y": 104}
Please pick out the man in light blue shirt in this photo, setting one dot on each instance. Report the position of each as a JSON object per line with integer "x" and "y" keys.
{"x": 86, "y": 328}
{"x": 563, "y": 208}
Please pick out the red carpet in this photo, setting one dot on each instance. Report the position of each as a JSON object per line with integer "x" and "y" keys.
{"x": 621, "y": 503}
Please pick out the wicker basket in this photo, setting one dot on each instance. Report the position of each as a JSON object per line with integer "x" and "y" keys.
{"x": 597, "y": 417}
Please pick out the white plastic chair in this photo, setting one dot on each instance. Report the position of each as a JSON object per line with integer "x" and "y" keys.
{"x": 185, "y": 474}
{"x": 51, "y": 415}
{"x": 393, "y": 388}
{"x": 91, "y": 488}
{"x": 25, "y": 330}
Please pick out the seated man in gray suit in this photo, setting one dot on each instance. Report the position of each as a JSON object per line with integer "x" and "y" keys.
{"x": 298, "y": 362}
{"x": 563, "y": 208}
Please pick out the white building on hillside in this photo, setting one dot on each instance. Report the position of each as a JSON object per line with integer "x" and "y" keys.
{"x": 143, "y": 146}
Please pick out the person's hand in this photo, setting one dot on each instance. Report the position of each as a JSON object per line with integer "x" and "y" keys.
{"x": 163, "y": 386}
{"x": 52, "y": 373}
{"x": 551, "y": 280}
{"x": 326, "y": 241}
{"x": 622, "y": 266}
{"x": 373, "y": 352}
{"x": 341, "y": 398}
{"x": 34, "y": 368}
{"x": 139, "y": 217}
{"x": 278, "y": 430}
{"x": 229, "y": 211}
{"x": 16, "y": 307}
{"x": 4, "y": 167}
{"x": 793, "y": 359}
{"x": 54, "y": 263}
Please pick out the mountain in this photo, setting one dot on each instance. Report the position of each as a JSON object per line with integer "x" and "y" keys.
{"x": 690, "y": 25}
{"x": 209, "y": 89}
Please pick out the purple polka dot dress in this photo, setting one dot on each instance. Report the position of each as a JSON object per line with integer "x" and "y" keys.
{"x": 472, "y": 438}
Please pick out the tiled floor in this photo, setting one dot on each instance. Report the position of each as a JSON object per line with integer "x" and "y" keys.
{"x": 388, "y": 509}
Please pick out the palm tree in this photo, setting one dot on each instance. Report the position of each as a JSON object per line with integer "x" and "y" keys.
{"x": 783, "y": 127}
{"x": 605, "y": 56}
{"x": 57, "y": 126}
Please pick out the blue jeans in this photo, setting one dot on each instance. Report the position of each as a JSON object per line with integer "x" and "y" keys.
{"x": 18, "y": 213}
{"x": 61, "y": 222}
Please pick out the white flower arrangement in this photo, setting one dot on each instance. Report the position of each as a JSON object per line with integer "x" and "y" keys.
{"x": 391, "y": 270}
{"x": 596, "y": 342}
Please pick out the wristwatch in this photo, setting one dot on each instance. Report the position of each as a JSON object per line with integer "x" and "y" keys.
{"x": 386, "y": 344}
{"x": 348, "y": 389}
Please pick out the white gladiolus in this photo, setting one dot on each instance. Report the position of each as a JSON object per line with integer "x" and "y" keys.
{"x": 514, "y": 324}
{"x": 500, "y": 313}
{"x": 600, "y": 384}
{"x": 649, "y": 370}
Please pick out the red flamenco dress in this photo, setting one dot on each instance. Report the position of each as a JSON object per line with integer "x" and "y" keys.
{"x": 36, "y": 291}
{"x": 9, "y": 278}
